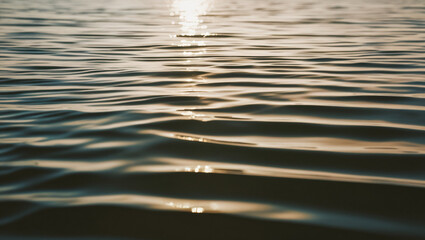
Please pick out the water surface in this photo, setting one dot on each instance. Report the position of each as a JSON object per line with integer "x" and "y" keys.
{"x": 212, "y": 119}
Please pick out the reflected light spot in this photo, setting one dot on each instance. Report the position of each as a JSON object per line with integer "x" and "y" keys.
{"x": 199, "y": 169}
{"x": 186, "y": 43}
{"x": 194, "y": 53}
{"x": 197, "y": 210}
{"x": 185, "y": 206}
{"x": 192, "y": 115}
{"x": 179, "y": 205}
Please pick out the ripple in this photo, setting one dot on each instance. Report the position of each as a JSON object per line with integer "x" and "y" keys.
{"x": 208, "y": 119}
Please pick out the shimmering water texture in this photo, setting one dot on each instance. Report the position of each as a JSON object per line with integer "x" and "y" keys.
{"x": 212, "y": 119}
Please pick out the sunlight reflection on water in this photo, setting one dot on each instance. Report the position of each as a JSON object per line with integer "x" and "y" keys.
{"x": 189, "y": 13}
{"x": 208, "y": 113}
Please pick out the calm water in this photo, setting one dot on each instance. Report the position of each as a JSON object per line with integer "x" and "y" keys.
{"x": 212, "y": 119}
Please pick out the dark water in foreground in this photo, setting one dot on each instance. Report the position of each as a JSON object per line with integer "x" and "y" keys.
{"x": 241, "y": 119}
